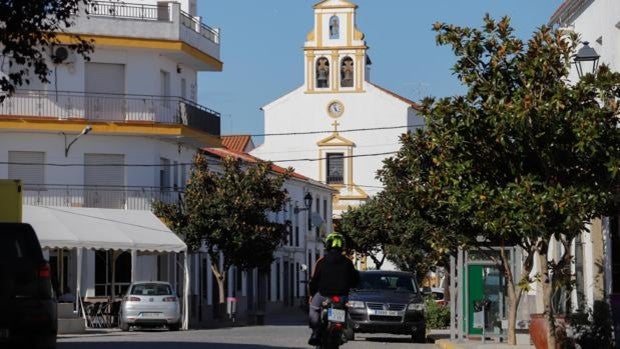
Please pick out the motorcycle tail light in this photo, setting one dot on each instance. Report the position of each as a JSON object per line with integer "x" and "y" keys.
{"x": 336, "y": 299}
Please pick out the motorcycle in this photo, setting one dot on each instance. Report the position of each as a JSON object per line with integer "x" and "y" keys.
{"x": 333, "y": 323}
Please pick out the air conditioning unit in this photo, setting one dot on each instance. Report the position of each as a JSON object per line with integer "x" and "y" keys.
{"x": 62, "y": 55}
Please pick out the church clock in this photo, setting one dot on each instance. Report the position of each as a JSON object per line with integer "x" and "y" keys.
{"x": 335, "y": 109}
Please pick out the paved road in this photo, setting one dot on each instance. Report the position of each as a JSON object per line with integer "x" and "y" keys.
{"x": 281, "y": 332}
{"x": 267, "y": 337}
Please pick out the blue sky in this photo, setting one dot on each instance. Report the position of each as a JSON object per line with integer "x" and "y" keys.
{"x": 262, "y": 41}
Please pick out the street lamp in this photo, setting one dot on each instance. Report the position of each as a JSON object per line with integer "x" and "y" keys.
{"x": 584, "y": 57}
{"x": 85, "y": 131}
{"x": 308, "y": 207}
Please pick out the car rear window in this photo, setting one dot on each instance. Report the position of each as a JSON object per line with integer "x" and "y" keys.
{"x": 17, "y": 244}
{"x": 151, "y": 290}
{"x": 373, "y": 281}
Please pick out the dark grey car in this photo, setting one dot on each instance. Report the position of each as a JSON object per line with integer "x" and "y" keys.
{"x": 387, "y": 302}
{"x": 27, "y": 303}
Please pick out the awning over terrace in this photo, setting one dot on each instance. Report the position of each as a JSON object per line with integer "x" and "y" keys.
{"x": 101, "y": 229}
{"x": 107, "y": 229}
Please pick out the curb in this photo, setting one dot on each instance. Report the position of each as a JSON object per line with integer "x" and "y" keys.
{"x": 446, "y": 344}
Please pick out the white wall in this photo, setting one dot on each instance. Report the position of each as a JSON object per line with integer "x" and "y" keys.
{"x": 137, "y": 150}
{"x": 300, "y": 112}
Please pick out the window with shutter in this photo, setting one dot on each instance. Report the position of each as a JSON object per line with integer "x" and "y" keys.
{"x": 104, "y": 179}
{"x": 28, "y": 167}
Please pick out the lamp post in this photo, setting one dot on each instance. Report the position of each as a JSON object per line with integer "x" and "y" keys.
{"x": 584, "y": 57}
{"x": 308, "y": 207}
{"x": 85, "y": 131}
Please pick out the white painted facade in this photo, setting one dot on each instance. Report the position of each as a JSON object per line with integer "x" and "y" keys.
{"x": 363, "y": 105}
{"x": 598, "y": 23}
{"x": 138, "y": 92}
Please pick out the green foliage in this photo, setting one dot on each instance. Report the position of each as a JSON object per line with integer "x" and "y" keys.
{"x": 437, "y": 315}
{"x": 521, "y": 158}
{"x": 29, "y": 29}
{"x": 228, "y": 212}
{"x": 593, "y": 329}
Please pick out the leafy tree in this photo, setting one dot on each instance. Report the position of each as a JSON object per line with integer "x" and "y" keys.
{"x": 29, "y": 29}
{"x": 523, "y": 158}
{"x": 386, "y": 225}
{"x": 367, "y": 230}
{"x": 227, "y": 213}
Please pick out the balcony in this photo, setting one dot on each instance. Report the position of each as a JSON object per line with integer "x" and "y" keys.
{"x": 127, "y": 198}
{"x": 98, "y": 107}
{"x": 155, "y": 22}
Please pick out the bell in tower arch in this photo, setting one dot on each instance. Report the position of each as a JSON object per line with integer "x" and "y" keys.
{"x": 347, "y": 75}
{"x": 322, "y": 73}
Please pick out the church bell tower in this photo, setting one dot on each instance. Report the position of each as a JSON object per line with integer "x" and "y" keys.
{"x": 335, "y": 50}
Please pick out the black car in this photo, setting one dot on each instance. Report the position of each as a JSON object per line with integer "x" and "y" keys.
{"x": 28, "y": 309}
{"x": 387, "y": 302}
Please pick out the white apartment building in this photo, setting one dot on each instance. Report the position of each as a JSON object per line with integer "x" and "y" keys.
{"x": 138, "y": 97}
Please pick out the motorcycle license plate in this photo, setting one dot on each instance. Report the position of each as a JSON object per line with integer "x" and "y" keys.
{"x": 336, "y": 315}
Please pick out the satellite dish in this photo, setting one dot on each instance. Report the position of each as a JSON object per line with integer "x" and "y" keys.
{"x": 60, "y": 55}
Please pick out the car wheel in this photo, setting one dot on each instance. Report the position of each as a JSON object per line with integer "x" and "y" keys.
{"x": 174, "y": 327}
{"x": 419, "y": 337}
{"x": 45, "y": 343}
{"x": 123, "y": 325}
{"x": 349, "y": 334}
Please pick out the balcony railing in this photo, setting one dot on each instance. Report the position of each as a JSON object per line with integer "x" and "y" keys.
{"x": 128, "y": 198}
{"x": 193, "y": 23}
{"x": 133, "y": 11}
{"x": 161, "y": 13}
{"x": 111, "y": 108}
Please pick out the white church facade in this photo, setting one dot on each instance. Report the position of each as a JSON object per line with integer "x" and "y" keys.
{"x": 359, "y": 122}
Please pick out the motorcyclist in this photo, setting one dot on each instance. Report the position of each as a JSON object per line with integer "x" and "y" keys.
{"x": 334, "y": 275}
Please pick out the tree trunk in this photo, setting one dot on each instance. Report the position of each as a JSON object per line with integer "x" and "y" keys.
{"x": 513, "y": 301}
{"x": 220, "y": 276}
{"x": 547, "y": 298}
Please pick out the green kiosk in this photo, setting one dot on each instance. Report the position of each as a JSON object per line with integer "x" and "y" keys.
{"x": 484, "y": 289}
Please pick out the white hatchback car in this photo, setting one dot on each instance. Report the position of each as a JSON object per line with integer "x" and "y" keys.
{"x": 150, "y": 304}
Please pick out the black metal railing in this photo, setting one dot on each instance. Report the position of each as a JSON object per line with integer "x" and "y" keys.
{"x": 207, "y": 32}
{"x": 132, "y": 11}
{"x": 108, "y": 107}
{"x": 128, "y": 198}
{"x": 335, "y": 180}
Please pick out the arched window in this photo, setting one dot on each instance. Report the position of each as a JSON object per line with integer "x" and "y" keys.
{"x": 347, "y": 72}
{"x": 334, "y": 27}
{"x": 322, "y": 73}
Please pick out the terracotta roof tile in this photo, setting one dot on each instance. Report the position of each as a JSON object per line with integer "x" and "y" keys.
{"x": 236, "y": 143}
{"x": 224, "y": 152}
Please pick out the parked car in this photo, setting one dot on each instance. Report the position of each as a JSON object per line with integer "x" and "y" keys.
{"x": 439, "y": 296}
{"x": 150, "y": 304}
{"x": 27, "y": 301}
{"x": 387, "y": 302}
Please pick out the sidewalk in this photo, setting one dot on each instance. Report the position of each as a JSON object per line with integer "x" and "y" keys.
{"x": 523, "y": 341}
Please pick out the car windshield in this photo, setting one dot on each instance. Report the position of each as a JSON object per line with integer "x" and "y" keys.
{"x": 151, "y": 290}
{"x": 371, "y": 281}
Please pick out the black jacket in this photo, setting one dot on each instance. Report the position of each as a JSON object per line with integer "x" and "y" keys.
{"x": 333, "y": 275}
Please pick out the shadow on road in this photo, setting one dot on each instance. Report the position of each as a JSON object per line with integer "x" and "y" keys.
{"x": 165, "y": 345}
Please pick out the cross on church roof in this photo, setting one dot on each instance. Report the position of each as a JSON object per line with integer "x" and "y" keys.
{"x": 336, "y": 124}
